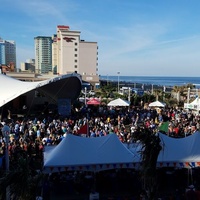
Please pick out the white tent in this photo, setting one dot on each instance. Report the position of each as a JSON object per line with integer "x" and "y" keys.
{"x": 180, "y": 152}
{"x": 68, "y": 85}
{"x": 157, "y": 104}
{"x": 176, "y": 152}
{"x": 194, "y": 105}
{"x": 107, "y": 152}
{"x": 88, "y": 154}
{"x": 118, "y": 102}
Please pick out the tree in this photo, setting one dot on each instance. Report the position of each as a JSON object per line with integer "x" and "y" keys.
{"x": 149, "y": 153}
{"x": 157, "y": 93}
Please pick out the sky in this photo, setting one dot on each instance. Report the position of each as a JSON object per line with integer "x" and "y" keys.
{"x": 135, "y": 37}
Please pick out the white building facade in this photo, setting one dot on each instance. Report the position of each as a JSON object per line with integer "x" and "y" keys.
{"x": 70, "y": 54}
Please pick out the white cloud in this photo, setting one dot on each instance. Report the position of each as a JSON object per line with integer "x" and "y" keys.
{"x": 178, "y": 57}
{"x": 135, "y": 42}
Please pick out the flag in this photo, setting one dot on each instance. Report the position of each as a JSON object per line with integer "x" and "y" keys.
{"x": 83, "y": 129}
{"x": 164, "y": 127}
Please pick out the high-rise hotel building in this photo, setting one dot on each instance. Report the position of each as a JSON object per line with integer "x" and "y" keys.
{"x": 43, "y": 54}
{"x": 7, "y": 52}
{"x": 71, "y": 54}
{"x": 66, "y": 53}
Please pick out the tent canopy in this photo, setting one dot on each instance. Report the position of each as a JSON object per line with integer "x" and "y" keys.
{"x": 195, "y": 105}
{"x": 108, "y": 152}
{"x": 195, "y": 102}
{"x": 176, "y": 152}
{"x": 157, "y": 104}
{"x": 93, "y": 101}
{"x": 65, "y": 86}
{"x": 88, "y": 154}
{"x": 118, "y": 102}
{"x": 180, "y": 150}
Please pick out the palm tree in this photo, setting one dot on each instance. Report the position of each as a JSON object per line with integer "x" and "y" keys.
{"x": 177, "y": 90}
{"x": 150, "y": 151}
{"x": 157, "y": 93}
{"x": 181, "y": 91}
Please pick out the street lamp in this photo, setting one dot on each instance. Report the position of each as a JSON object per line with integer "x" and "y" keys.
{"x": 188, "y": 96}
{"x": 6, "y": 134}
{"x": 107, "y": 79}
{"x": 129, "y": 94}
{"x": 118, "y": 81}
{"x": 152, "y": 90}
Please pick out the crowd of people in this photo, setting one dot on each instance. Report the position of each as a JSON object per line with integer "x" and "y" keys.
{"x": 30, "y": 135}
{"x": 34, "y": 133}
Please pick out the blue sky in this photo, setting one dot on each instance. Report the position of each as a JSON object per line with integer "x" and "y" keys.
{"x": 135, "y": 37}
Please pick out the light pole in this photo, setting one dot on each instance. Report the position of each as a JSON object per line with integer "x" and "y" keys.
{"x": 129, "y": 94}
{"x": 118, "y": 82}
{"x": 6, "y": 134}
{"x": 164, "y": 90}
{"x": 107, "y": 79}
{"x": 188, "y": 96}
{"x": 152, "y": 90}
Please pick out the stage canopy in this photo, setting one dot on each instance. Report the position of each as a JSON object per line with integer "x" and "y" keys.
{"x": 65, "y": 86}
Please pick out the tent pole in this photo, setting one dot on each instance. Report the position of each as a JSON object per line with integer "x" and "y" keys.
{"x": 191, "y": 176}
{"x": 87, "y": 125}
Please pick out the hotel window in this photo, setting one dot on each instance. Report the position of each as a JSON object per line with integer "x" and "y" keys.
{"x": 75, "y": 55}
{"x": 76, "y": 43}
{"x": 75, "y": 60}
{"x": 75, "y": 66}
{"x": 75, "y": 49}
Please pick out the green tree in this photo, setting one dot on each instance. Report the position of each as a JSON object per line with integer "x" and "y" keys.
{"x": 149, "y": 153}
{"x": 158, "y": 93}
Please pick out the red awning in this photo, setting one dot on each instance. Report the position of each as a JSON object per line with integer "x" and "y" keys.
{"x": 93, "y": 101}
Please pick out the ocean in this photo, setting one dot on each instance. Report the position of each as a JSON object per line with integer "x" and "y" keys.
{"x": 155, "y": 80}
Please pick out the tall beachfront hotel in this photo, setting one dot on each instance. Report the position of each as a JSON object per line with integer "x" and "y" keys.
{"x": 7, "y": 52}
{"x": 71, "y": 54}
{"x": 43, "y": 54}
{"x": 65, "y": 53}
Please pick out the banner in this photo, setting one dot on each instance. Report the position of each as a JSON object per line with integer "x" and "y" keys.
{"x": 64, "y": 107}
